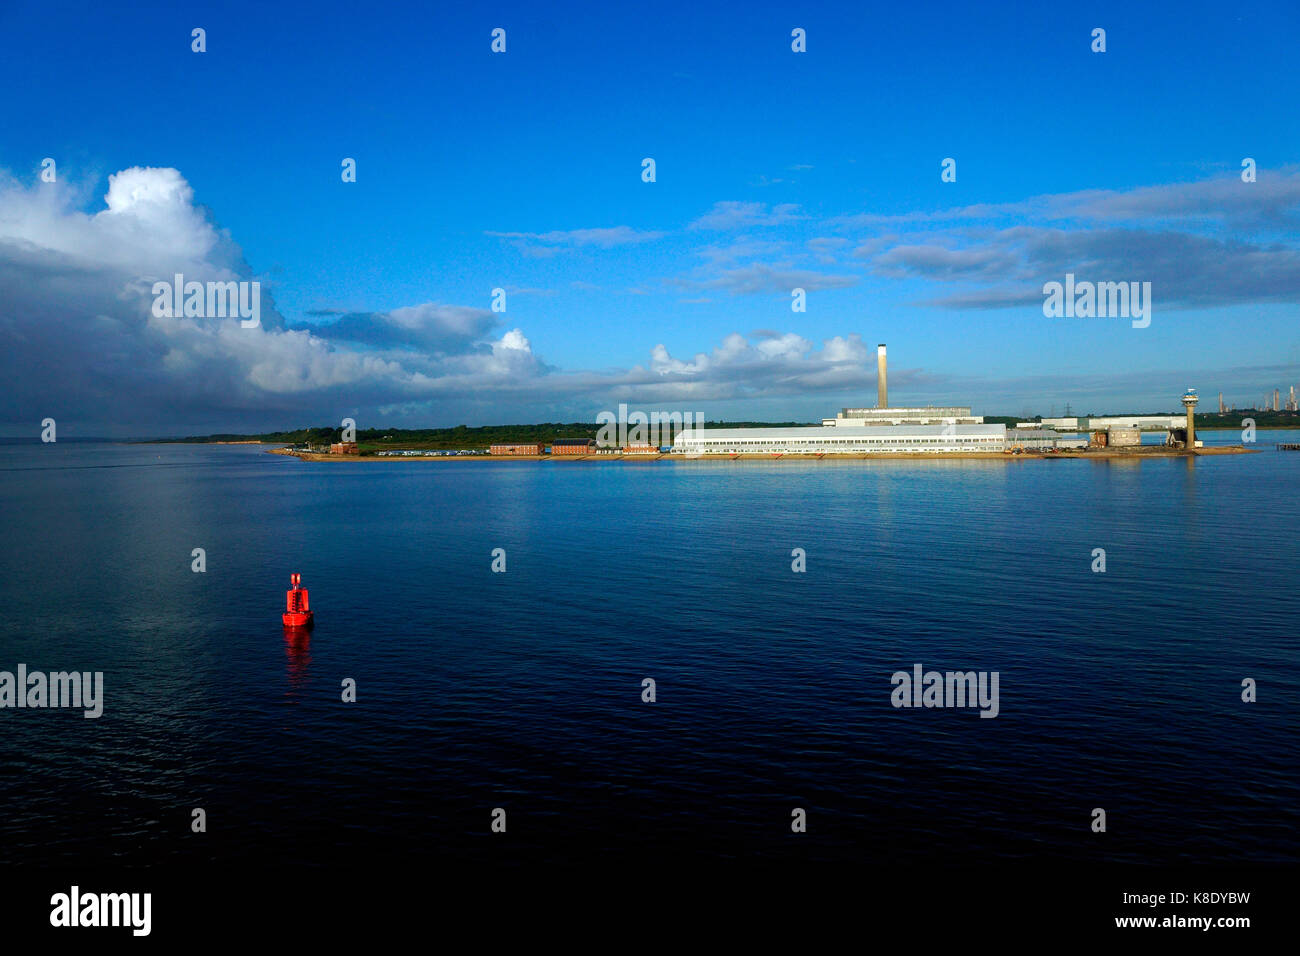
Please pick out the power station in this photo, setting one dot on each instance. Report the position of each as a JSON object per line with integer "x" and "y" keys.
{"x": 883, "y": 414}
{"x": 932, "y": 429}
{"x": 884, "y": 429}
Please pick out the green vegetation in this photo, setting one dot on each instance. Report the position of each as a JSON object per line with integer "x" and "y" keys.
{"x": 462, "y": 436}
{"x": 1263, "y": 419}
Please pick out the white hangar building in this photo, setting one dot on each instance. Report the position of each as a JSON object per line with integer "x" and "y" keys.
{"x": 841, "y": 439}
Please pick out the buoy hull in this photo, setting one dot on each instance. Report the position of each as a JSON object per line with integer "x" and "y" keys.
{"x": 297, "y": 604}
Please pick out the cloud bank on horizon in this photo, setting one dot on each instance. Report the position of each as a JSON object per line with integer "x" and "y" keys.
{"x": 81, "y": 342}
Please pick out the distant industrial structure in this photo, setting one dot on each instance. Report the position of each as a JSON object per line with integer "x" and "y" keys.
{"x": 1145, "y": 423}
{"x": 1116, "y": 431}
{"x": 936, "y": 429}
{"x": 883, "y": 429}
{"x": 1270, "y": 402}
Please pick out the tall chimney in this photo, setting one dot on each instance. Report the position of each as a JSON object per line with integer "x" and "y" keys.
{"x": 882, "y": 387}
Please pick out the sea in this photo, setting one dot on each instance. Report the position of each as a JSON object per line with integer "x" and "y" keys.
{"x": 1127, "y": 607}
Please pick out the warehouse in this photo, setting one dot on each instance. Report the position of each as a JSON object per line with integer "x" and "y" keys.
{"x": 842, "y": 440}
{"x": 905, "y": 415}
{"x": 573, "y": 446}
{"x": 513, "y": 449}
{"x": 1032, "y": 439}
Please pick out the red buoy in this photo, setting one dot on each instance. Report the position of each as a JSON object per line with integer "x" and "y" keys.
{"x": 297, "y": 609}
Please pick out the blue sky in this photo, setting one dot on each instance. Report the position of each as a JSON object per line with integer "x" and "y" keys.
{"x": 522, "y": 170}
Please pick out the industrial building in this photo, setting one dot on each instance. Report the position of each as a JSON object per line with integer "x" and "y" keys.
{"x": 573, "y": 446}
{"x": 904, "y": 415}
{"x": 1146, "y": 423}
{"x": 935, "y": 429}
{"x": 1035, "y": 439}
{"x": 1125, "y": 431}
{"x": 823, "y": 440}
{"x": 1121, "y": 436}
{"x": 884, "y": 429}
{"x": 506, "y": 448}
{"x": 1117, "y": 431}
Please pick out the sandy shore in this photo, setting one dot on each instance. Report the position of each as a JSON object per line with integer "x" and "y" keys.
{"x": 1145, "y": 451}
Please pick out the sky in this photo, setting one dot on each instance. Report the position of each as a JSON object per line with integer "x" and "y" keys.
{"x": 522, "y": 170}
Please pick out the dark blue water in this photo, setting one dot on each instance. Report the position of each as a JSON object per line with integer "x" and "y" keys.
{"x": 522, "y": 690}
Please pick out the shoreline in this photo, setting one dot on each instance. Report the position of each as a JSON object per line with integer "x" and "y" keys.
{"x": 281, "y": 443}
{"x": 1108, "y": 454}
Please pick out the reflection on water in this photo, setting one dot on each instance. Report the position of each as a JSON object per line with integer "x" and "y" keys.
{"x": 297, "y": 646}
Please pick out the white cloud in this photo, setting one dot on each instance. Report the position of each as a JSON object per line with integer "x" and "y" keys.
{"x": 739, "y": 215}
{"x": 759, "y": 277}
{"x": 79, "y": 340}
{"x": 150, "y": 224}
{"x": 548, "y": 243}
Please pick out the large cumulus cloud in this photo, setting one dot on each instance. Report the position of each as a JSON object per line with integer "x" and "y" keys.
{"x": 79, "y": 339}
